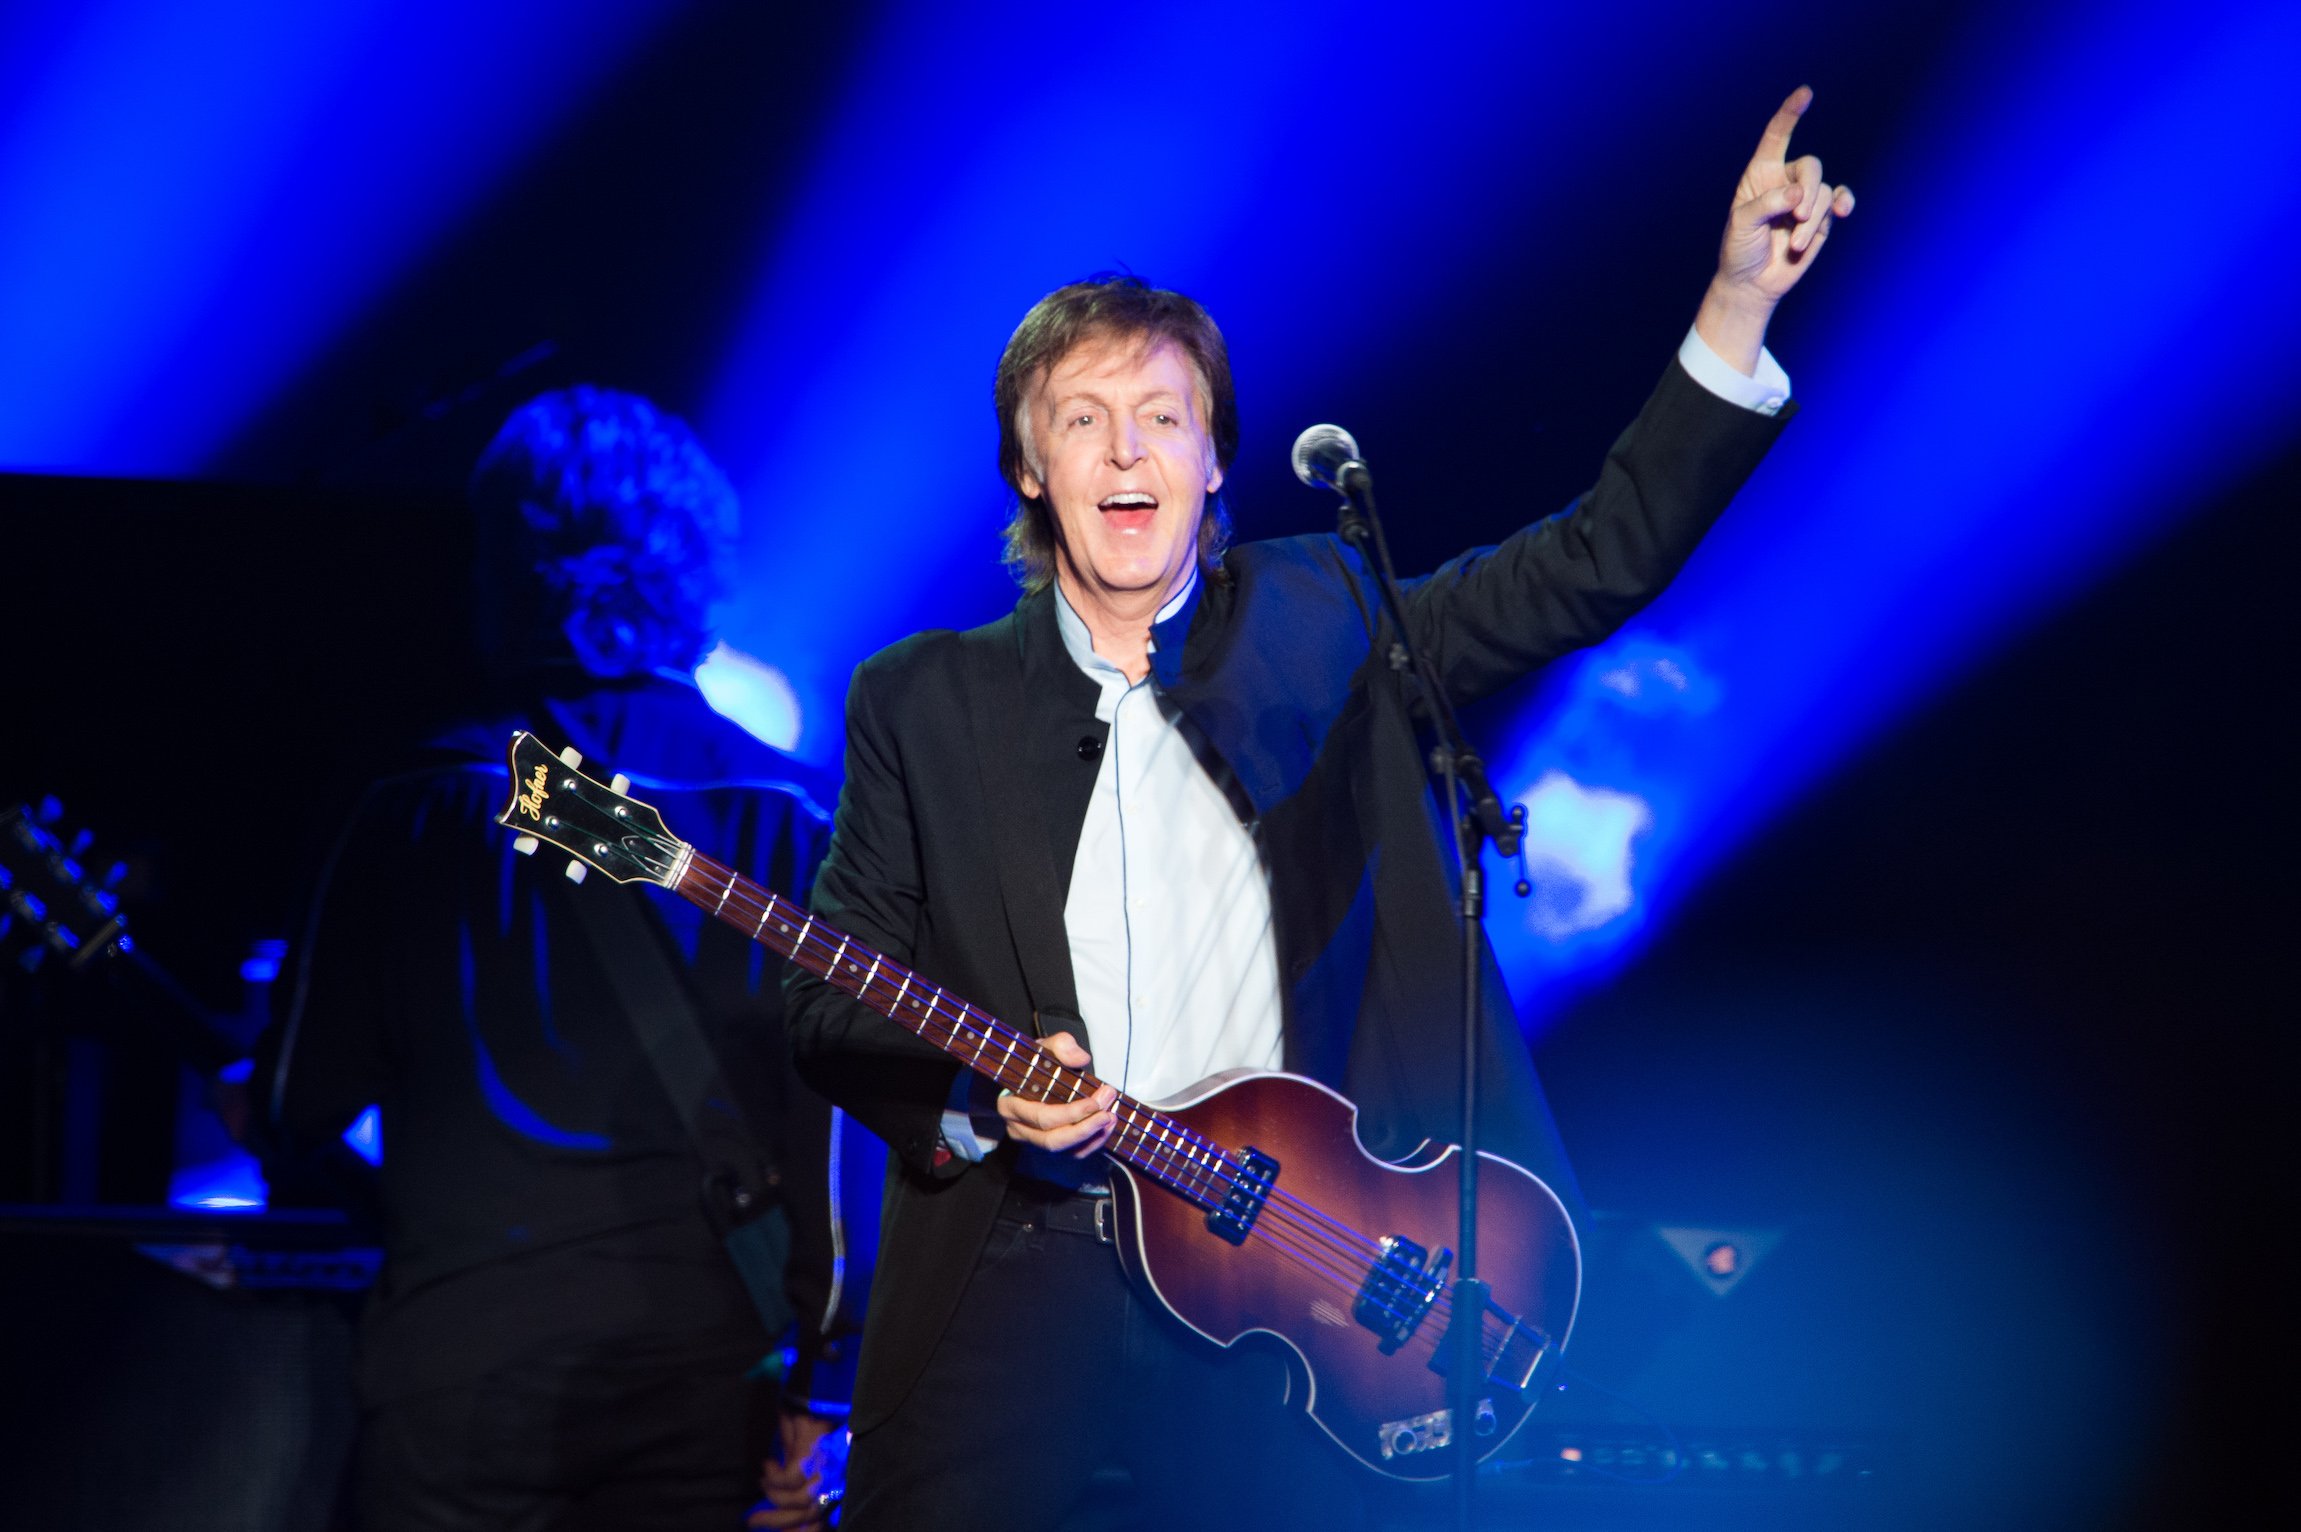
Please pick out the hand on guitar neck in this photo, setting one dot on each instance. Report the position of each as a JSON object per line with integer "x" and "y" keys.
{"x": 1076, "y": 1128}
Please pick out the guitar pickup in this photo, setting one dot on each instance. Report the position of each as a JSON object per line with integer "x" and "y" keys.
{"x": 1250, "y": 1188}
{"x": 1399, "y": 1290}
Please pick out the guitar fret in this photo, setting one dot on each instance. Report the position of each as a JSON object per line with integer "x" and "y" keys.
{"x": 725, "y": 890}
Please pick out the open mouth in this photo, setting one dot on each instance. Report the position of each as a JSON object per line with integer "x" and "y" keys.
{"x": 1129, "y": 511}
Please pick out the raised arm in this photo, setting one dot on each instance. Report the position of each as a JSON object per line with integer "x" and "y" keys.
{"x": 1568, "y": 582}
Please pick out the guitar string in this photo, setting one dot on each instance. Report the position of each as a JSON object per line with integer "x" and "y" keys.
{"x": 1175, "y": 1155}
{"x": 1187, "y": 1173}
{"x": 1184, "y": 1168}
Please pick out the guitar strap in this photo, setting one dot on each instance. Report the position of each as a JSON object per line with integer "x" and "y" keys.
{"x": 742, "y": 1186}
{"x": 1027, "y": 876}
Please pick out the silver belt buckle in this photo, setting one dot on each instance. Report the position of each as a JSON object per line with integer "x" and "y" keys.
{"x": 1103, "y": 1235}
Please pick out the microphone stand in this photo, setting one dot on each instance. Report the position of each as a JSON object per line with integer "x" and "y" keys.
{"x": 1477, "y": 817}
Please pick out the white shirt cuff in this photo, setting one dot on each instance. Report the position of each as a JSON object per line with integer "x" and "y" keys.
{"x": 1766, "y": 393}
{"x": 963, "y": 1132}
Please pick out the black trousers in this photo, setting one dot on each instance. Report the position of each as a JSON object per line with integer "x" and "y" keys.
{"x": 1061, "y": 1401}
{"x": 569, "y": 1444}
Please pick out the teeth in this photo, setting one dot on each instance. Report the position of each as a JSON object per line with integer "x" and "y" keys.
{"x": 1129, "y": 501}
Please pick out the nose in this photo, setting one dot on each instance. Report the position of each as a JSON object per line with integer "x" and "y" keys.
{"x": 1126, "y": 441}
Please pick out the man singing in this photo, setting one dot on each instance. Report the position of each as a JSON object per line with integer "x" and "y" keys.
{"x": 1173, "y": 810}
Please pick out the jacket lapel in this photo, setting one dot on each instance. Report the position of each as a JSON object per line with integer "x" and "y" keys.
{"x": 1038, "y": 747}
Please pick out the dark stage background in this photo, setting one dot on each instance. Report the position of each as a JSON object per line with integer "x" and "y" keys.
{"x": 1975, "y": 1036}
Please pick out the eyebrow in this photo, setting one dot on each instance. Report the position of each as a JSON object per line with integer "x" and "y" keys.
{"x": 1087, "y": 396}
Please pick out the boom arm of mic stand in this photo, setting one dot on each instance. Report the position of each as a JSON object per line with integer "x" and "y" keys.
{"x": 1361, "y": 527}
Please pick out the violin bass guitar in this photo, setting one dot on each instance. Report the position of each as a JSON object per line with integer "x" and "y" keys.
{"x": 1246, "y": 1205}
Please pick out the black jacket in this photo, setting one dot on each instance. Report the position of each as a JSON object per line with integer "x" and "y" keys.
{"x": 1279, "y": 671}
{"x": 539, "y": 1191}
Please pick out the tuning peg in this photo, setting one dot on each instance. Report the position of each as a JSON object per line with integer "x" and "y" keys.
{"x": 575, "y": 871}
{"x": 525, "y": 845}
{"x": 80, "y": 843}
{"x": 619, "y": 783}
{"x": 570, "y": 757}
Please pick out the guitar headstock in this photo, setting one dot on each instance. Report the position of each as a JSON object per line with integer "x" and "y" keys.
{"x": 49, "y": 901}
{"x": 553, "y": 801}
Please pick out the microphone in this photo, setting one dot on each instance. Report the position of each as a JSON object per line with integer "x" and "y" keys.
{"x": 1325, "y": 457}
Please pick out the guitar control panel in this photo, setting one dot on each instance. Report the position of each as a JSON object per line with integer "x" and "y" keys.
{"x": 1427, "y": 1433}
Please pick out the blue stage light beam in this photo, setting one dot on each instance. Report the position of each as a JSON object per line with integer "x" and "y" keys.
{"x": 198, "y": 197}
{"x": 1280, "y": 162}
{"x": 2063, "y": 318}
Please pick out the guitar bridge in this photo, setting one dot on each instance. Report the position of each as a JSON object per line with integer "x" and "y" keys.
{"x": 1514, "y": 1362}
{"x": 1399, "y": 1290}
{"x": 1249, "y": 1190}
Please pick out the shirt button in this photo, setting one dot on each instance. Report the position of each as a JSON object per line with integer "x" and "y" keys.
{"x": 1090, "y": 748}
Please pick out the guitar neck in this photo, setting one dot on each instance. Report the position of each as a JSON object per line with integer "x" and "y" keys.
{"x": 1147, "y": 1140}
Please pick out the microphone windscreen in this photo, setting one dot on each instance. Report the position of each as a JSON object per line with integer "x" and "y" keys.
{"x": 1319, "y": 454}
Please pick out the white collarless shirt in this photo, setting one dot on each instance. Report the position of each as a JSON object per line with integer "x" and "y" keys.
{"x": 1168, "y": 917}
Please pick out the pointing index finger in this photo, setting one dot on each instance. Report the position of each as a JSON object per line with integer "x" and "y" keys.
{"x": 1774, "y": 143}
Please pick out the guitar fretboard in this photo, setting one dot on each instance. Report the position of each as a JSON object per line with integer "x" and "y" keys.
{"x": 1145, "y": 1139}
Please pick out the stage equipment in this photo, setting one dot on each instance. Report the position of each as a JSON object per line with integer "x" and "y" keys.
{"x": 177, "y": 1372}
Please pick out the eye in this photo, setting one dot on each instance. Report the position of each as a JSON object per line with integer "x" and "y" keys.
{"x": 1082, "y": 420}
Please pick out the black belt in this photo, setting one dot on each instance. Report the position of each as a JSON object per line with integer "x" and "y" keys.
{"x": 1058, "y": 1208}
